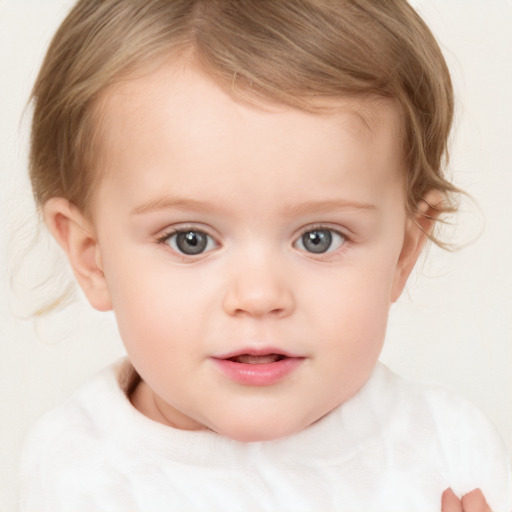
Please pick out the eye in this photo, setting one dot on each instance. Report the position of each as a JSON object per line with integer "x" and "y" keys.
{"x": 320, "y": 240}
{"x": 190, "y": 242}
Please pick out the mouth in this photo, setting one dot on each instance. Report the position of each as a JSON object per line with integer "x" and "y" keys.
{"x": 262, "y": 367}
{"x": 257, "y": 359}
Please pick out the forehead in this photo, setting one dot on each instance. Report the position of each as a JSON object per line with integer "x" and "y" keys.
{"x": 133, "y": 98}
{"x": 178, "y": 117}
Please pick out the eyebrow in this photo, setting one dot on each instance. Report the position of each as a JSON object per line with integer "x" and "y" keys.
{"x": 172, "y": 202}
{"x": 328, "y": 206}
{"x": 178, "y": 203}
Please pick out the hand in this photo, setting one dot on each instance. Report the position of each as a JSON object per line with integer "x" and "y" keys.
{"x": 471, "y": 502}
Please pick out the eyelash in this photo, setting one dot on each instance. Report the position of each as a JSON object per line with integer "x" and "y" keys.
{"x": 321, "y": 227}
{"x": 164, "y": 239}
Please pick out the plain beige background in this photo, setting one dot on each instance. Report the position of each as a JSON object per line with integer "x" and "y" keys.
{"x": 453, "y": 327}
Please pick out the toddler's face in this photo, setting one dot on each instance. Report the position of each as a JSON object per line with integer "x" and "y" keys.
{"x": 251, "y": 255}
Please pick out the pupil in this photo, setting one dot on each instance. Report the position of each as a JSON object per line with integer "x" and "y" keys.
{"x": 192, "y": 242}
{"x": 317, "y": 241}
{"x": 191, "y": 239}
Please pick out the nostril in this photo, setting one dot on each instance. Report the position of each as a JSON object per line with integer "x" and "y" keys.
{"x": 253, "y": 296}
{"x": 262, "y": 311}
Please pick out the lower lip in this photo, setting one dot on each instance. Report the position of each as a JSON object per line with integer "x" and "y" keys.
{"x": 264, "y": 374}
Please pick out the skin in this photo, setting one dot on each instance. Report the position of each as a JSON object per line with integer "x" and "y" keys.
{"x": 471, "y": 502}
{"x": 182, "y": 153}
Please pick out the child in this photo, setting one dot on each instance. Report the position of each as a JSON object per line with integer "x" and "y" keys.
{"x": 248, "y": 185}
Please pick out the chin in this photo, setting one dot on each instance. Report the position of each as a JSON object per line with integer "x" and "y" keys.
{"x": 255, "y": 436}
{"x": 247, "y": 432}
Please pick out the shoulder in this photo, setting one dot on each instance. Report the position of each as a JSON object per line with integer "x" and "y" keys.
{"x": 438, "y": 413}
{"x": 77, "y": 416}
{"x": 468, "y": 439}
{"x": 451, "y": 418}
{"x": 451, "y": 429}
{"x": 441, "y": 409}
{"x": 70, "y": 433}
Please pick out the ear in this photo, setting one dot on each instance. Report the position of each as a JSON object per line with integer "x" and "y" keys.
{"x": 417, "y": 230}
{"x": 75, "y": 234}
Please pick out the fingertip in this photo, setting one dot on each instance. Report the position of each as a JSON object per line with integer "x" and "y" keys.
{"x": 475, "y": 501}
{"x": 450, "y": 502}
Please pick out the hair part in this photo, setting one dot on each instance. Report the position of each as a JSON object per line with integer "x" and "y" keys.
{"x": 293, "y": 52}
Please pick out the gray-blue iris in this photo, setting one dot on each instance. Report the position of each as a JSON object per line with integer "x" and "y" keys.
{"x": 191, "y": 242}
{"x": 317, "y": 241}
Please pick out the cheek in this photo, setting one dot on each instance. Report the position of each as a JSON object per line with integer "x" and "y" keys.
{"x": 154, "y": 302}
{"x": 354, "y": 305}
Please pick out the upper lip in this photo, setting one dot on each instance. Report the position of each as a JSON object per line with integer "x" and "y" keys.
{"x": 253, "y": 351}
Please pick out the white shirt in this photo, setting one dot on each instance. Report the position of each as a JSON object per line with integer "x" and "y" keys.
{"x": 393, "y": 447}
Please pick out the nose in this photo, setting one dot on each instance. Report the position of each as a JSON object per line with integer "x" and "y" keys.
{"x": 258, "y": 290}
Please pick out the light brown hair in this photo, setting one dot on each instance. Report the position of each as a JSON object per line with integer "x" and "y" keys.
{"x": 290, "y": 51}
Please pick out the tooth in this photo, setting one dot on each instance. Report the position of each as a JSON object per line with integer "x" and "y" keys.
{"x": 249, "y": 359}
